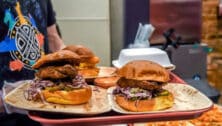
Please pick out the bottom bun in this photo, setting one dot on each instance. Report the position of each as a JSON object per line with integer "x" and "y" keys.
{"x": 106, "y": 82}
{"x": 88, "y": 72}
{"x": 74, "y": 97}
{"x": 154, "y": 104}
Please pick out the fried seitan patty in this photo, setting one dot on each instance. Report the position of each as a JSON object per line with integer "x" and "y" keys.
{"x": 57, "y": 72}
{"x": 148, "y": 85}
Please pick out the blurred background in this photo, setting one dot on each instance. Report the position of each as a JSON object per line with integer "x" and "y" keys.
{"x": 107, "y": 26}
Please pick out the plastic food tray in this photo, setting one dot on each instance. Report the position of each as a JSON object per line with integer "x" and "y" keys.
{"x": 50, "y": 119}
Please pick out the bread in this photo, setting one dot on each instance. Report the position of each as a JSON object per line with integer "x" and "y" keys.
{"x": 89, "y": 72}
{"x": 60, "y": 56}
{"x": 106, "y": 82}
{"x": 93, "y": 60}
{"x": 144, "y": 70}
{"x": 74, "y": 97}
{"x": 82, "y": 51}
{"x": 154, "y": 104}
{"x": 86, "y": 55}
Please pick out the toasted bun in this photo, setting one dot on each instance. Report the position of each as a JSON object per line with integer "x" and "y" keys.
{"x": 144, "y": 70}
{"x": 60, "y": 56}
{"x": 78, "y": 96}
{"x": 89, "y": 72}
{"x": 154, "y": 104}
{"x": 85, "y": 54}
{"x": 93, "y": 60}
{"x": 106, "y": 82}
{"x": 82, "y": 51}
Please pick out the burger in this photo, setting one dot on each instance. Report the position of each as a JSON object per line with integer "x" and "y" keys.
{"x": 57, "y": 80}
{"x": 88, "y": 60}
{"x": 139, "y": 88}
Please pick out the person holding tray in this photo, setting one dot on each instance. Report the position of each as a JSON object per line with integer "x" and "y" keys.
{"x": 27, "y": 31}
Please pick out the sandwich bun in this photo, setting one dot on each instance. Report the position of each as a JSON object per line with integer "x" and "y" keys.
{"x": 93, "y": 60}
{"x": 144, "y": 70}
{"x": 86, "y": 55}
{"x": 62, "y": 56}
{"x": 154, "y": 104}
{"x": 74, "y": 97}
{"x": 91, "y": 72}
{"x": 82, "y": 51}
{"x": 106, "y": 82}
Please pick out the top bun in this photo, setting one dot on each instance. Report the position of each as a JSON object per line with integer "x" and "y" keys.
{"x": 82, "y": 51}
{"x": 86, "y": 55}
{"x": 60, "y": 56}
{"x": 144, "y": 70}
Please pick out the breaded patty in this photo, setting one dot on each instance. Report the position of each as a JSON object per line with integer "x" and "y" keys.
{"x": 57, "y": 72}
{"x": 148, "y": 85}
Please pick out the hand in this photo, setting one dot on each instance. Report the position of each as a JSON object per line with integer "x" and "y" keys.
{"x": 2, "y": 108}
{"x": 55, "y": 42}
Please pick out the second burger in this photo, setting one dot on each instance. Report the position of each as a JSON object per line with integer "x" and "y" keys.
{"x": 88, "y": 60}
{"x": 139, "y": 88}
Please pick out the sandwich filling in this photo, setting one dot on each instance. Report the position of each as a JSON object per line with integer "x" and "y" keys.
{"x": 139, "y": 90}
{"x": 34, "y": 91}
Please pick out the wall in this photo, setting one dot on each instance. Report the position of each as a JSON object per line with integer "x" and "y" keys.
{"x": 116, "y": 14}
{"x": 212, "y": 35}
{"x": 86, "y": 22}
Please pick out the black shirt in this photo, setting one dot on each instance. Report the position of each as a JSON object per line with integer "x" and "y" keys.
{"x": 23, "y": 36}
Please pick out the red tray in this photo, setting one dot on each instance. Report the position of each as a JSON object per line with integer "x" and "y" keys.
{"x": 50, "y": 119}
{"x": 110, "y": 118}
{"x": 175, "y": 79}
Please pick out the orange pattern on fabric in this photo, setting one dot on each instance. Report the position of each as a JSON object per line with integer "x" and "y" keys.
{"x": 40, "y": 38}
{"x": 16, "y": 65}
{"x": 20, "y": 16}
